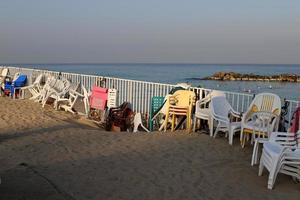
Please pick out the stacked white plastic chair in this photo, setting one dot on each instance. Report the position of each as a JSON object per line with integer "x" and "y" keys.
{"x": 263, "y": 102}
{"x": 281, "y": 154}
{"x": 264, "y": 123}
{"x": 222, "y": 113}
{"x": 202, "y": 109}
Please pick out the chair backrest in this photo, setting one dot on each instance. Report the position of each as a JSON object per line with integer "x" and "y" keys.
{"x": 266, "y": 102}
{"x": 220, "y": 107}
{"x": 283, "y": 138}
{"x": 20, "y": 81}
{"x": 298, "y": 139}
{"x": 16, "y": 75}
{"x": 4, "y": 72}
{"x": 204, "y": 103}
{"x": 39, "y": 79}
{"x": 98, "y": 98}
{"x": 264, "y": 123}
{"x": 212, "y": 94}
{"x": 183, "y": 98}
{"x": 156, "y": 104}
{"x": 59, "y": 85}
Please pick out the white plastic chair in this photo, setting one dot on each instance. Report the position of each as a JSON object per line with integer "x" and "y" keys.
{"x": 265, "y": 102}
{"x": 202, "y": 110}
{"x": 281, "y": 154}
{"x": 222, "y": 112}
{"x": 138, "y": 123}
{"x": 264, "y": 124}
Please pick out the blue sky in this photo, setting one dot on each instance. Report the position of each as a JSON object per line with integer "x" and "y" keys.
{"x": 172, "y": 31}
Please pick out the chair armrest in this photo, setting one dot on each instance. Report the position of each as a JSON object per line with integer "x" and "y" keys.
{"x": 236, "y": 114}
{"x": 221, "y": 118}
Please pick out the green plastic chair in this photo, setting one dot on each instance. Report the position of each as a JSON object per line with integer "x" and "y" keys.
{"x": 156, "y": 104}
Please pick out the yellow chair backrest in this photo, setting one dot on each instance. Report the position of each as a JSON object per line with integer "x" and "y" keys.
{"x": 267, "y": 102}
{"x": 183, "y": 98}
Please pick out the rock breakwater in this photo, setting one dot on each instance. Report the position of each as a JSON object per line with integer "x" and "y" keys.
{"x": 233, "y": 76}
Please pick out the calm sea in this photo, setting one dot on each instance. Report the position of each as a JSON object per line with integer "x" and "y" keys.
{"x": 175, "y": 73}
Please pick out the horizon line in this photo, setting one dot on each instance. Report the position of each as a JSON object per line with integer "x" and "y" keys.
{"x": 139, "y": 63}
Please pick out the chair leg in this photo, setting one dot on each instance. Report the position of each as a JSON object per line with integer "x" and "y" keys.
{"x": 216, "y": 131}
{"x": 144, "y": 128}
{"x": 254, "y": 153}
{"x": 188, "y": 122}
{"x": 194, "y": 124}
{"x": 166, "y": 122}
{"x": 230, "y": 136}
{"x": 261, "y": 166}
{"x": 211, "y": 127}
{"x": 272, "y": 178}
{"x": 173, "y": 123}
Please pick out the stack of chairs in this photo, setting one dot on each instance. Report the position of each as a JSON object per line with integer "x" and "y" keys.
{"x": 179, "y": 109}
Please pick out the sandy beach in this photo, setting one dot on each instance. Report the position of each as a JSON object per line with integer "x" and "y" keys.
{"x": 48, "y": 154}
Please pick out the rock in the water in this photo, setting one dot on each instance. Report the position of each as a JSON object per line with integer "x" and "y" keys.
{"x": 232, "y": 76}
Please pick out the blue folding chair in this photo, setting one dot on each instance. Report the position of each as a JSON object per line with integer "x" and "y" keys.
{"x": 15, "y": 85}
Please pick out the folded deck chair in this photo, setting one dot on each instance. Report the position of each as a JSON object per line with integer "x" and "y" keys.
{"x": 13, "y": 87}
{"x": 49, "y": 83}
{"x": 58, "y": 90}
{"x": 98, "y": 98}
{"x": 3, "y": 76}
{"x": 77, "y": 94}
{"x": 35, "y": 88}
{"x": 98, "y": 103}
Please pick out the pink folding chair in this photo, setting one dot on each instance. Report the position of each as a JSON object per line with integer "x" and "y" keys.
{"x": 98, "y": 98}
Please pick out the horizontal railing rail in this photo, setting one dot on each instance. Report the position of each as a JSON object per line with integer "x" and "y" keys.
{"x": 140, "y": 93}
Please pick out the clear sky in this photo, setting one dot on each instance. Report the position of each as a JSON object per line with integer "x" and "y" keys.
{"x": 173, "y": 31}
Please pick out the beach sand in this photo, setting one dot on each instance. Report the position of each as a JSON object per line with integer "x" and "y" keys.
{"x": 48, "y": 154}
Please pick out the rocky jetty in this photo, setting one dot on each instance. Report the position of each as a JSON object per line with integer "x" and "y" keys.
{"x": 232, "y": 76}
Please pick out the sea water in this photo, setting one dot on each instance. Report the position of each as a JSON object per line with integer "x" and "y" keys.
{"x": 189, "y": 73}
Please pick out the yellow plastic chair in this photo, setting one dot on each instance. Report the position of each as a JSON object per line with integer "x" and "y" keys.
{"x": 179, "y": 104}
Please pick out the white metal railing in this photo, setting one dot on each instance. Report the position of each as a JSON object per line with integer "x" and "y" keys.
{"x": 140, "y": 93}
